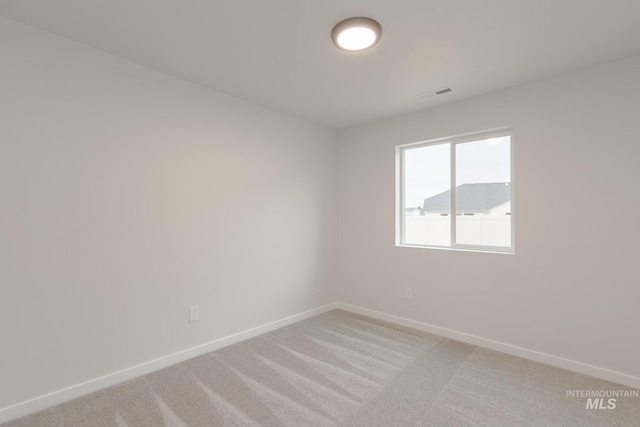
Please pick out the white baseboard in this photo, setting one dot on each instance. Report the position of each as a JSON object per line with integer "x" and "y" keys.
{"x": 59, "y": 396}
{"x": 572, "y": 365}
{"x": 78, "y": 390}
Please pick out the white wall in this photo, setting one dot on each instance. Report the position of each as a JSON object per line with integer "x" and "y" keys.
{"x": 571, "y": 290}
{"x": 127, "y": 196}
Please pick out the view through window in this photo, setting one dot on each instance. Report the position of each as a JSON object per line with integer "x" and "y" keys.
{"x": 457, "y": 193}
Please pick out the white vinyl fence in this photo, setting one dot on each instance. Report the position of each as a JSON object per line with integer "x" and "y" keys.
{"x": 487, "y": 230}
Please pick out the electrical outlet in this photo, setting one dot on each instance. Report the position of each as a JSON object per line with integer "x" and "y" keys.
{"x": 194, "y": 314}
{"x": 408, "y": 294}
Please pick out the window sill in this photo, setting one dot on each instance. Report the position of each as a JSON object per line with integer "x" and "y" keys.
{"x": 488, "y": 250}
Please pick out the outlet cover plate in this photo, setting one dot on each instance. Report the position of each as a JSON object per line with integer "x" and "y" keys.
{"x": 194, "y": 314}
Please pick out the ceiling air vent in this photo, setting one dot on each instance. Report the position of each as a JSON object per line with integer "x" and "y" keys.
{"x": 433, "y": 93}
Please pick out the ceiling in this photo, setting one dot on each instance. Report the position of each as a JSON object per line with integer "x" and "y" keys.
{"x": 278, "y": 53}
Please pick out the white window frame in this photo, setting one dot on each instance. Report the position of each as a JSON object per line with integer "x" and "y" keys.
{"x": 453, "y": 141}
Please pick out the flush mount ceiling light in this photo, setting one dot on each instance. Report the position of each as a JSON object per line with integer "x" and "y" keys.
{"x": 355, "y": 34}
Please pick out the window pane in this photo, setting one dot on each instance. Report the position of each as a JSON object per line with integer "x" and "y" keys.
{"x": 427, "y": 198}
{"x": 483, "y": 192}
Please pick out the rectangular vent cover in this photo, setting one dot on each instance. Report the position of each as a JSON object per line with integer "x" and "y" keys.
{"x": 433, "y": 93}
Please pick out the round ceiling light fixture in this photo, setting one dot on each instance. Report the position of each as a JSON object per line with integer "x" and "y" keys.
{"x": 355, "y": 34}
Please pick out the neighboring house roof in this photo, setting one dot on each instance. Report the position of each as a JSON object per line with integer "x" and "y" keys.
{"x": 470, "y": 198}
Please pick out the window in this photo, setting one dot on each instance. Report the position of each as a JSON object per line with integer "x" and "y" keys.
{"x": 457, "y": 193}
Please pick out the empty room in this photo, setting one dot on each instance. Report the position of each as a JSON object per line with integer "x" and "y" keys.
{"x": 295, "y": 213}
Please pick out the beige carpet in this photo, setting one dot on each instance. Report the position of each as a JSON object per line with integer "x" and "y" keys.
{"x": 341, "y": 369}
